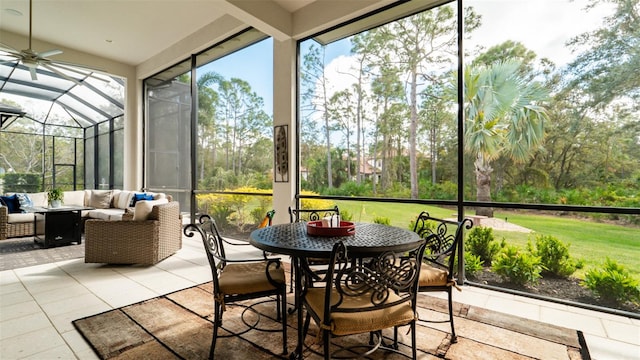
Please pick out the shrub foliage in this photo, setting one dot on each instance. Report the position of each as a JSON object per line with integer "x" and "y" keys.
{"x": 382, "y": 220}
{"x": 613, "y": 282}
{"x": 472, "y": 264}
{"x": 480, "y": 241}
{"x": 554, "y": 256}
{"x": 517, "y": 266}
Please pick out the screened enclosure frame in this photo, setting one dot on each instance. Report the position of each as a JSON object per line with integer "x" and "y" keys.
{"x": 83, "y": 176}
{"x": 460, "y": 203}
{"x": 185, "y": 187}
{"x": 62, "y": 108}
{"x": 361, "y": 23}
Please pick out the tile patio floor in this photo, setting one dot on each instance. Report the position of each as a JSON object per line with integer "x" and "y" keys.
{"x": 38, "y": 303}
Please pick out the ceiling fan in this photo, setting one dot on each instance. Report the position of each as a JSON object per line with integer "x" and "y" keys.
{"x": 33, "y": 60}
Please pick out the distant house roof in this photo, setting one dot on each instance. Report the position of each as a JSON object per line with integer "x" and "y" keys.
{"x": 367, "y": 168}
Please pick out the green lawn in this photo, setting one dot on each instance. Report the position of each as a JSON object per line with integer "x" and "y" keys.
{"x": 588, "y": 240}
{"x": 399, "y": 214}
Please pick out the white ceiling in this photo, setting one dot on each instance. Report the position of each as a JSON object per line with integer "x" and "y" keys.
{"x": 127, "y": 31}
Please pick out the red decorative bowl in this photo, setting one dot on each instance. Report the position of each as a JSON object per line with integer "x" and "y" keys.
{"x": 315, "y": 228}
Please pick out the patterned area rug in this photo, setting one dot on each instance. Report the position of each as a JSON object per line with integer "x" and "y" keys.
{"x": 178, "y": 326}
{"x": 23, "y": 252}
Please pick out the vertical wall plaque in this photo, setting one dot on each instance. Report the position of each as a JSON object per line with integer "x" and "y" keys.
{"x": 281, "y": 156}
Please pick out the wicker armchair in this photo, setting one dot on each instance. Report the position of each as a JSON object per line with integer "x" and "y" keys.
{"x": 135, "y": 242}
{"x": 15, "y": 230}
{"x": 3, "y": 222}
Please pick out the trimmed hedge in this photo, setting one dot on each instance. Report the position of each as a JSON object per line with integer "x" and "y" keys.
{"x": 22, "y": 183}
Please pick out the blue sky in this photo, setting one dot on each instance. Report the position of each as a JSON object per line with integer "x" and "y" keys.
{"x": 253, "y": 64}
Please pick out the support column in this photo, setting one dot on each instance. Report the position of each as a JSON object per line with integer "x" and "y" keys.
{"x": 284, "y": 113}
{"x": 133, "y": 141}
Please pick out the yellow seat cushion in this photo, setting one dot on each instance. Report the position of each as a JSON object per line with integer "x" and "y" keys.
{"x": 432, "y": 276}
{"x": 245, "y": 278}
{"x": 360, "y": 322}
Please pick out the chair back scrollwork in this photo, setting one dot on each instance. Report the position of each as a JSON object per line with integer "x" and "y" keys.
{"x": 378, "y": 278}
{"x": 443, "y": 238}
{"x": 297, "y": 215}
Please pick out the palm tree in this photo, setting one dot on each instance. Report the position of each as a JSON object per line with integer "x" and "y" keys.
{"x": 502, "y": 117}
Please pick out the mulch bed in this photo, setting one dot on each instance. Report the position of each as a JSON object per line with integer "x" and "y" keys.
{"x": 560, "y": 288}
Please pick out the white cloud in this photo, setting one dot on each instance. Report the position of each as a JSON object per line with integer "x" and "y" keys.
{"x": 341, "y": 73}
{"x": 543, "y": 26}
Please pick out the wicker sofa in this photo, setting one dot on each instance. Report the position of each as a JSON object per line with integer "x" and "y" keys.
{"x": 107, "y": 204}
{"x": 14, "y": 225}
{"x": 22, "y": 226}
{"x": 136, "y": 239}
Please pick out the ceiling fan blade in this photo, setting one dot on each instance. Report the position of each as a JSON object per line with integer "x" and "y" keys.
{"x": 9, "y": 61}
{"x": 69, "y": 67}
{"x": 12, "y": 56}
{"x": 8, "y": 54}
{"x": 56, "y": 71}
{"x": 50, "y": 53}
{"x": 9, "y": 49}
{"x": 34, "y": 75}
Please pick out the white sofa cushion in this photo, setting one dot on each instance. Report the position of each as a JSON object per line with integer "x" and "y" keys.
{"x": 115, "y": 195}
{"x": 106, "y": 214}
{"x": 144, "y": 207}
{"x": 75, "y": 198}
{"x": 15, "y": 218}
{"x": 124, "y": 199}
{"x": 39, "y": 199}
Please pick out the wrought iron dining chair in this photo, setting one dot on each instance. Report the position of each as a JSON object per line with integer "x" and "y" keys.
{"x": 443, "y": 237}
{"x": 236, "y": 280}
{"x": 298, "y": 215}
{"x": 358, "y": 298}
